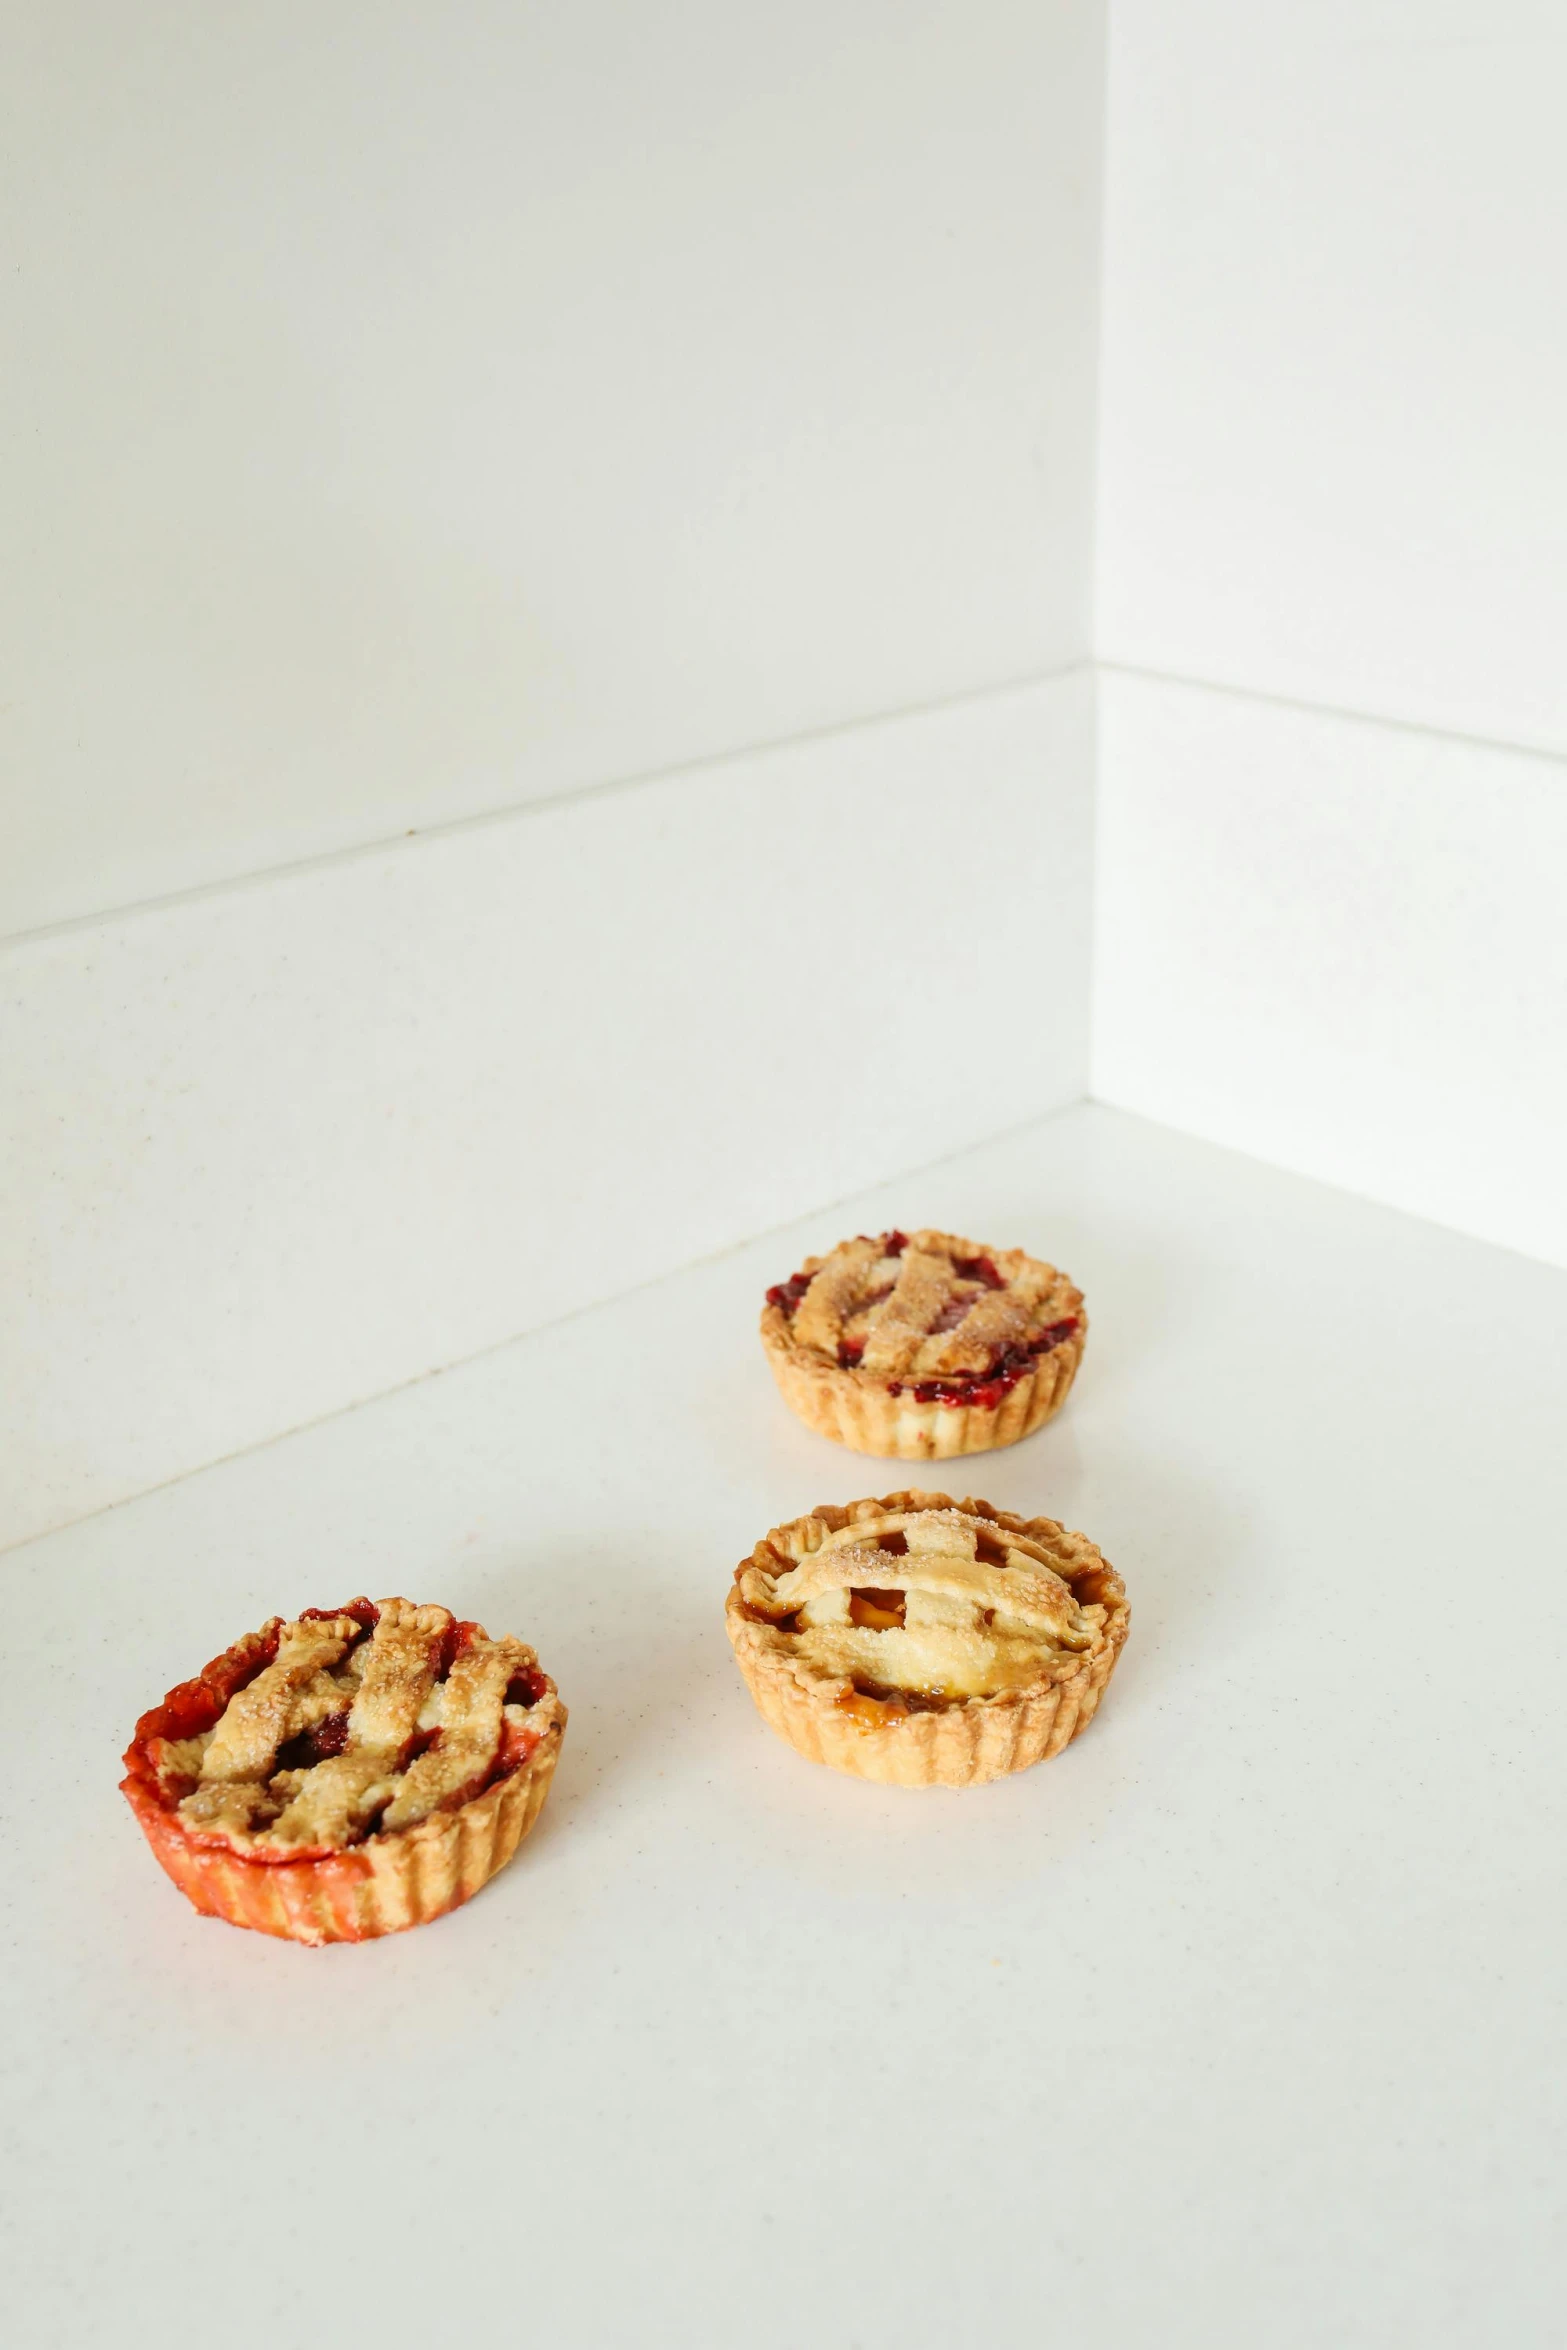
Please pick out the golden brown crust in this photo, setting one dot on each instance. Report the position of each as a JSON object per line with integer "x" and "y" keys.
{"x": 900, "y": 1417}
{"x": 958, "y": 1744}
{"x": 380, "y": 1887}
{"x": 348, "y": 1891}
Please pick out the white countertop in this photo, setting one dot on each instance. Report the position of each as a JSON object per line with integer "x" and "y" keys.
{"x": 1235, "y": 2025}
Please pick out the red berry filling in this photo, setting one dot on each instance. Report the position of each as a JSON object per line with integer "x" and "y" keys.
{"x": 979, "y": 1269}
{"x": 986, "y": 1390}
{"x": 196, "y": 1706}
{"x": 315, "y": 1745}
{"x": 787, "y": 1294}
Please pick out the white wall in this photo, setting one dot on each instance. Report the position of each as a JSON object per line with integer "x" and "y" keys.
{"x": 1335, "y": 355}
{"x": 283, "y": 1145}
{"x": 424, "y": 413}
{"x": 1339, "y": 945}
{"x": 414, "y": 411}
{"x": 427, "y": 416}
{"x": 1335, "y": 379}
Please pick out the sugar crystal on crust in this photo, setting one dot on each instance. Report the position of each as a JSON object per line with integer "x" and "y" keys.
{"x": 923, "y": 1642}
{"x": 348, "y": 1730}
{"x": 924, "y": 1345}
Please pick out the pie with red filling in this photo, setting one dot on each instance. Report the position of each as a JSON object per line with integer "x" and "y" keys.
{"x": 357, "y": 1771}
{"x": 926, "y": 1642}
{"x": 922, "y": 1346}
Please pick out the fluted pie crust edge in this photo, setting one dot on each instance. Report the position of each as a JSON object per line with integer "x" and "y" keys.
{"x": 854, "y": 1408}
{"x": 874, "y": 1414}
{"x": 970, "y": 1741}
{"x": 383, "y": 1885}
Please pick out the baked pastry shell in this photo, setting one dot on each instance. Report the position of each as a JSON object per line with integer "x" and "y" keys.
{"x": 381, "y": 1886}
{"x": 970, "y": 1741}
{"x": 857, "y": 1408}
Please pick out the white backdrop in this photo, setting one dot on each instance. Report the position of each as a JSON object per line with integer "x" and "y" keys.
{"x": 420, "y": 410}
{"x": 1332, "y": 485}
{"x": 422, "y": 417}
{"x": 1335, "y": 337}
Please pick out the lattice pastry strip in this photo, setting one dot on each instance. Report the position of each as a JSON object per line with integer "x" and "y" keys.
{"x": 331, "y": 1720}
{"x": 837, "y": 1290}
{"x": 291, "y": 1695}
{"x": 924, "y": 1306}
{"x": 993, "y": 1321}
{"x": 958, "y": 1609}
{"x": 924, "y": 1345}
{"x": 897, "y": 1331}
{"x": 466, "y": 1709}
{"x": 922, "y": 1642}
{"x": 378, "y": 1694}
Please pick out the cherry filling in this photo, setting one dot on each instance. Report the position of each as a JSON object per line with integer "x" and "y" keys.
{"x": 987, "y": 1388}
{"x": 787, "y": 1294}
{"x": 314, "y": 1745}
{"x": 849, "y": 1352}
{"x": 364, "y": 1612}
{"x": 979, "y": 1269}
{"x": 197, "y": 1706}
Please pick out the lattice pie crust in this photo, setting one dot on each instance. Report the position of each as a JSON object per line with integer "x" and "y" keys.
{"x": 354, "y": 1772}
{"x": 926, "y": 1642}
{"x": 922, "y": 1346}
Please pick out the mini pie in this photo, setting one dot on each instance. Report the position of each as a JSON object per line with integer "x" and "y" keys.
{"x": 359, "y": 1770}
{"x": 926, "y": 1642}
{"x": 921, "y": 1346}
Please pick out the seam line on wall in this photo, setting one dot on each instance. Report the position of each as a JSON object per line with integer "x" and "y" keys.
{"x": 595, "y": 1305}
{"x": 519, "y": 811}
{"x": 1414, "y": 726}
{"x": 1207, "y": 1140}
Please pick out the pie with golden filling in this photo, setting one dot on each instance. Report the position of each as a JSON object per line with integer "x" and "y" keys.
{"x": 922, "y": 1346}
{"x": 351, "y": 1773}
{"x": 926, "y": 1642}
